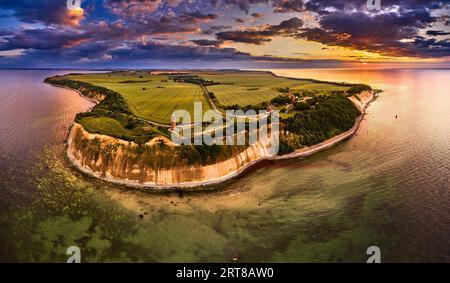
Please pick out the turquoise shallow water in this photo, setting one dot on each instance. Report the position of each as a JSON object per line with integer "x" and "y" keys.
{"x": 387, "y": 186}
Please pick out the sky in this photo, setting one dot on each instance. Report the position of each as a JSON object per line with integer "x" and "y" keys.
{"x": 224, "y": 33}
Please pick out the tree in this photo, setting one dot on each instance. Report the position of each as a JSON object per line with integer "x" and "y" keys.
{"x": 358, "y": 88}
{"x": 302, "y": 106}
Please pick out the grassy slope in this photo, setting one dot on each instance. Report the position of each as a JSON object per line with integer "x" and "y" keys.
{"x": 252, "y": 88}
{"x": 105, "y": 126}
{"x": 159, "y": 99}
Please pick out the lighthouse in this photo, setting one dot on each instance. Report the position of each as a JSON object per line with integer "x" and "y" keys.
{"x": 293, "y": 99}
{"x": 173, "y": 121}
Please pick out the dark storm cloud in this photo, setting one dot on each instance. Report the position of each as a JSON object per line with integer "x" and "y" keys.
{"x": 288, "y": 25}
{"x": 132, "y": 7}
{"x": 429, "y": 48}
{"x": 198, "y": 16}
{"x": 285, "y": 6}
{"x": 262, "y": 35}
{"x": 257, "y": 15}
{"x": 391, "y": 34}
{"x": 80, "y": 54}
{"x": 66, "y": 38}
{"x": 214, "y": 29}
{"x": 282, "y": 6}
{"x": 169, "y": 22}
{"x": 161, "y": 16}
{"x": 153, "y": 51}
{"x": 71, "y": 47}
{"x": 57, "y": 38}
{"x": 247, "y": 36}
{"x": 44, "y": 39}
{"x": 437, "y": 32}
{"x": 243, "y": 5}
{"x": 85, "y": 52}
{"x": 323, "y": 7}
{"x": 445, "y": 19}
{"x": 343, "y": 23}
{"x": 207, "y": 42}
{"x": 164, "y": 24}
{"x": 381, "y": 27}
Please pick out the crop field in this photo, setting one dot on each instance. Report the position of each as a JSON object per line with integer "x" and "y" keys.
{"x": 152, "y": 97}
{"x": 155, "y": 97}
{"x": 252, "y": 88}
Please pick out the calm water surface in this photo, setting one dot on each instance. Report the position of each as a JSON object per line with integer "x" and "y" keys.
{"x": 387, "y": 186}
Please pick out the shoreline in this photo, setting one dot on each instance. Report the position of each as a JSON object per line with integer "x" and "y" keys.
{"x": 79, "y": 93}
{"x": 307, "y": 151}
{"x": 303, "y": 152}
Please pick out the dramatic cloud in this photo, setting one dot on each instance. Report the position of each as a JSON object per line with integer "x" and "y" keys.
{"x": 207, "y": 42}
{"x": 262, "y": 34}
{"x": 437, "y": 32}
{"x": 199, "y": 17}
{"x": 281, "y": 6}
{"x": 132, "y": 7}
{"x": 257, "y": 15}
{"x": 285, "y": 6}
{"x": 117, "y": 31}
{"x": 393, "y": 34}
{"x": 349, "y": 6}
{"x": 44, "y": 39}
{"x": 214, "y": 29}
{"x": 156, "y": 51}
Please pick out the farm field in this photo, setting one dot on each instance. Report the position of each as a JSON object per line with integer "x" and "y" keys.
{"x": 148, "y": 96}
{"x": 154, "y": 97}
{"x": 252, "y": 88}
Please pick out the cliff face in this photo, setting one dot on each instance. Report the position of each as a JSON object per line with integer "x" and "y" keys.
{"x": 117, "y": 160}
{"x": 362, "y": 99}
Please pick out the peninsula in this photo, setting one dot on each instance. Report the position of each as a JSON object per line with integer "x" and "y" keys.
{"x": 126, "y": 137}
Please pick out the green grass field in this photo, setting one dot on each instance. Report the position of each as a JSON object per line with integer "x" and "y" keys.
{"x": 253, "y": 88}
{"x": 157, "y": 101}
{"x": 155, "y": 97}
{"x": 117, "y": 128}
{"x": 105, "y": 126}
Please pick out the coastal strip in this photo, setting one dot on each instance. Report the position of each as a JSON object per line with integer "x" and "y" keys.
{"x": 307, "y": 151}
{"x": 240, "y": 170}
{"x": 80, "y": 94}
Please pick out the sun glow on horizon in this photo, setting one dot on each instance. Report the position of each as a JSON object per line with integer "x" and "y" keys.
{"x": 310, "y": 50}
